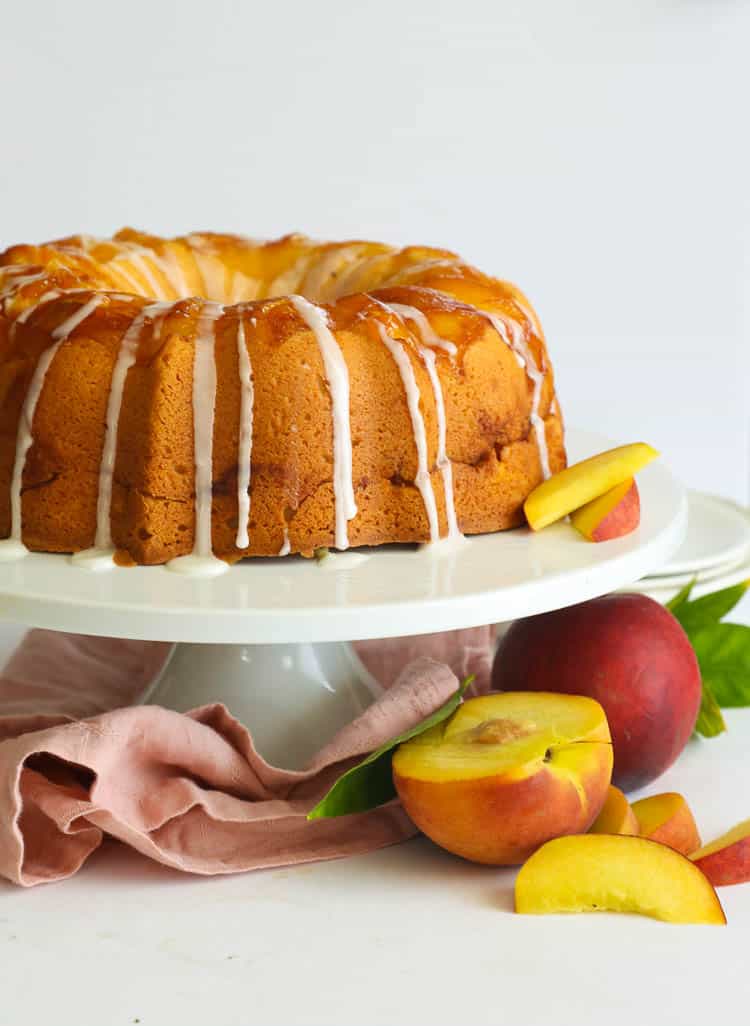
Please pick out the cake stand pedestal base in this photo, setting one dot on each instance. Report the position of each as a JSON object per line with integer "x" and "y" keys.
{"x": 293, "y": 698}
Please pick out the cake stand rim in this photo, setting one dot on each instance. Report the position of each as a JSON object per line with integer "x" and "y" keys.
{"x": 39, "y": 590}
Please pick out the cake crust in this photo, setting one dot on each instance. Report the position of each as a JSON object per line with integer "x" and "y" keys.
{"x": 459, "y": 395}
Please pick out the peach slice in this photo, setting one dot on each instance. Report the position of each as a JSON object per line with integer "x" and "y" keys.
{"x": 574, "y": 487}
{"x": 506, "y": 773}
{"x": 616, "y": 816}
{"x": 667, "y": 818}
{"x": 727, "y": 859}
{"x": 601, "y": 872}
{"x": 612, "y": 515}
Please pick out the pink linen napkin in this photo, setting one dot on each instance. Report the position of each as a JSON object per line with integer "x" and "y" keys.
{"x": 78, "y": 761}
{"x": 468, "y": 652}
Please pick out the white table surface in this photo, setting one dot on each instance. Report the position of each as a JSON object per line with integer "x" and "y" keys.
{"x": 408, "y": 935}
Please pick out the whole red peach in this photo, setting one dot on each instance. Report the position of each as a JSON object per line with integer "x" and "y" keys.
{"x": 631, "y": 655}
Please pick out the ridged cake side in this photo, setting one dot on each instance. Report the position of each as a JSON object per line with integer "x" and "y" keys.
{"x": 448, "y": 381}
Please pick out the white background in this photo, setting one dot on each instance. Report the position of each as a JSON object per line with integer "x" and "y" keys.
{"x": 596, "y": 153}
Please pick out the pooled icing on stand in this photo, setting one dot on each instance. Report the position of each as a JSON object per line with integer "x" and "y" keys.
{"x": 423, "y": 481}
{"x": 202, "y": 562}
{"x": 101, "y": 555}
{"x": 338, "y": 561}
{"x": 286, "y": 545}
{"x": 337, "y": 375}
{"x": 13, "y": 546}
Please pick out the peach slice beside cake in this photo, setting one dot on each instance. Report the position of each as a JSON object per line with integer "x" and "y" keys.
{"x": 572, "y": 488}
{"x": 606, "y": 873}
{"x": 727, "y": 859}
{"x": 667, "y": 818}
{"x": 616, "y": 816}
{"x": 506, "y": 773}
{"x": 612, "y": 515}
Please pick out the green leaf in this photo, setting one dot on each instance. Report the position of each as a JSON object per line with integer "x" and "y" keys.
{"x": 679, "y": 600}
{"x": 723, "y": 652}
{"x": 708, "y": 610}
{"x": 370, "y": 782}
{"x": 710, "y": 721}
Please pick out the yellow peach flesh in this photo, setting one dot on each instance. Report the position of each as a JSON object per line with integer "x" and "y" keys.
{"x": 602, "y": 872}
{"x": 667, "y": 818}
{"x": 612, "y": 515}
{"x": 616, "y": 816}
{"x": 737, "y": 833}
{"x": 506, "y": 773}
{"x": 579, "y": 484}
{"x": 727, "y": 859}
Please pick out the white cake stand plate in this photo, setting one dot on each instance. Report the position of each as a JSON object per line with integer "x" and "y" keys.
{"x": 269, "y": 638}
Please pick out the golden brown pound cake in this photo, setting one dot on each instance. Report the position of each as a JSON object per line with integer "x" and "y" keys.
{"x": 217, "y": 396}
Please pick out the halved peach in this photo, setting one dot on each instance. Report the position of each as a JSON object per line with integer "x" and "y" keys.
{"x": 506, "y": 772}
{"x": 576, "y": 485}
{"x": 601, "y": 872}
{"x": 667, "y": 818}
{"x": 616, "y": 816}
{"x": 727, "y": 859}
{"x": 612, "y": 515}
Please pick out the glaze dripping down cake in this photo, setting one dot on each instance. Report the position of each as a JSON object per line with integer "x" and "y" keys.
{"x": 211, "y": 396}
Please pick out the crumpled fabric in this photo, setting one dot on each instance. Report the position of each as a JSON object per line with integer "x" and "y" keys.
{"x": 80, "y": 761}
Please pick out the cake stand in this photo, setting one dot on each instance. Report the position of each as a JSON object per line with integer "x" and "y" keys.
{"x": 270, "y": 638}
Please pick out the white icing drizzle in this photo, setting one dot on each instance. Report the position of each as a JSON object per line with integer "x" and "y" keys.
{"x": 328, "y": 267}
{"x": 337, "y": 375}
{"x": 213, "y": 275}
{"x": 175, "y": 274}
{"x": 14, "y": 269}
{"x": 286, "y": 545}
{"x": 517, "y": 343}
{"x": 290, "y": 280}
{"x": 101, "y": 555}
{"x": 359, "y": 270}
{"x": 144, "y": 260}
{"x": 43, "y": 299}
{"x": 140, "y": 262}
{"x": 13, "y": 546}
{"x": 426, "y": 331}
{"x": 123, "y": 272}
{"x": 71, "y": 323}
{"x": 423, "y": 481}
{"x": 202, "y": 562}
{"x": 430, "y": 340}
{"x": 245, "y": 449}
{"x": 17, "y": 281}
{"x": 420, "y": 268}
{"x": 46, "y": 297}
{"x": 444, "y": 464}
{"x": 243, "y": 288}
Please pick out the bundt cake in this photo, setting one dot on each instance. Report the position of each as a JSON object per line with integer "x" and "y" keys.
{"x": 202, "y": 399}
